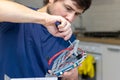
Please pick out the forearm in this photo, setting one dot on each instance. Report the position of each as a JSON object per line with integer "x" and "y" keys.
{"x": 14, "y": 12}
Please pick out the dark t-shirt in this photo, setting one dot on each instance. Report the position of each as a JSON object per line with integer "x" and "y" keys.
{"x": 25, "y": 49}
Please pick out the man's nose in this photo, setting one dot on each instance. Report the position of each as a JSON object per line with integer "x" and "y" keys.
{"x": 70, "y": 17}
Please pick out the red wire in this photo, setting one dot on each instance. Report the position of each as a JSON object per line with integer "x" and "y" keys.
{"x": 57, "y": 54}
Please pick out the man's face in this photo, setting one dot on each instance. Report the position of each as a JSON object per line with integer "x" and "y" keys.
{"x": 65, "y": 8}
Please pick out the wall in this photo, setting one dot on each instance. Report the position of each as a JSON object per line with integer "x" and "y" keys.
{"x": 31, "y": 3}
{"x": 104, "y": 15}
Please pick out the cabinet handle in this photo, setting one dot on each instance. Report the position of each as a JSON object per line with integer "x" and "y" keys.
{"x": 114, "y": 49}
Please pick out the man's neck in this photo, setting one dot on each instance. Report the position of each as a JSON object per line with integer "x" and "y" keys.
{"x": 43, "y": 9}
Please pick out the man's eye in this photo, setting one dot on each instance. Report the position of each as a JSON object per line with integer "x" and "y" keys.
{"x": 69, "y": 9}
{"x": 77, "y": 14}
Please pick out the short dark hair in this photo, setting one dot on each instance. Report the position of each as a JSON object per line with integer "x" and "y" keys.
{"x": 83, "y": 4}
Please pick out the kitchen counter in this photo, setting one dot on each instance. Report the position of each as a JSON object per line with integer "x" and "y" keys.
{"x": 113, "y": 41}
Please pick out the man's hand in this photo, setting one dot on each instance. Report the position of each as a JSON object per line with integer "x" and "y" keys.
{"x": 63, "y": 30}
{"x": 71, "y": 75}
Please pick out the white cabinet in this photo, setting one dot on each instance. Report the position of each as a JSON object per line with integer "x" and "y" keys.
{"x": 111, "y": 64}
{"x": 108, "y": 65}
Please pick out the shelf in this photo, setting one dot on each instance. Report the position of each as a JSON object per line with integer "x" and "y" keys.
{"x": 113, "y": 41}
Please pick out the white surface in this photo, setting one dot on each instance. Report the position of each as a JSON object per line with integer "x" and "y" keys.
{"x": 103, "y": 15}
{"x": 41, "y": 78}
{"x": 51, "y": 78}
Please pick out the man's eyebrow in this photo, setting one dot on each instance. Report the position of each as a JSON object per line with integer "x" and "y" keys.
{"x": 70, "y": 7}
{"x": 77, "y": 12}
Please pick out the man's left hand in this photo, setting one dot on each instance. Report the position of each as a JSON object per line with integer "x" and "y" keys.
{"x": 70, "y": 75}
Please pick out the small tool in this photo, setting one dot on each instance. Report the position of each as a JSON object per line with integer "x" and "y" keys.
{"x": 58, "y": 23}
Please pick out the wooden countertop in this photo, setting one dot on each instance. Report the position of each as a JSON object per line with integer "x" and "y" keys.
{"x": 101, "y": 40}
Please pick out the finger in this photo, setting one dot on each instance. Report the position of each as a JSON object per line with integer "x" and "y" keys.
{"x": 64, "y": 28}
{"x": 68, "y": 36}
{"x": 59, "y": 34}
{"x": 62, "y": 35}
{"x": 49, "y": 71}
{"x": 63, "y": 23}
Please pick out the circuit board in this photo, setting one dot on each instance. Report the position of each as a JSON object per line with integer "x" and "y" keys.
{"x": 68, "y": 59}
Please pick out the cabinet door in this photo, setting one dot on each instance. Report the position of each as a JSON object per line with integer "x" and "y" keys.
{"x": 111, "y": 64}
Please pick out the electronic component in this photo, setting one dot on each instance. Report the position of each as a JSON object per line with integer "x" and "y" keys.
{"x": 68, "y": 59}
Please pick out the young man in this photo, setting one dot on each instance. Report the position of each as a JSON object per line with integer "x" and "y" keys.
{"x": 29, "y": 37}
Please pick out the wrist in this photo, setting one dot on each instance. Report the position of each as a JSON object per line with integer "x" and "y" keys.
{"x": 41, "y": 18}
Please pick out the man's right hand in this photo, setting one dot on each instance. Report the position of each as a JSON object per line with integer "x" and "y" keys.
{"x": 63, "y": 30}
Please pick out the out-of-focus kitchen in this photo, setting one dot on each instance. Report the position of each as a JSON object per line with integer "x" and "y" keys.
{"x": 98, "y": 30}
